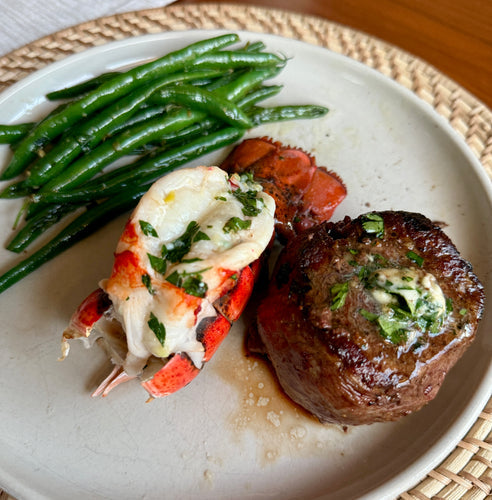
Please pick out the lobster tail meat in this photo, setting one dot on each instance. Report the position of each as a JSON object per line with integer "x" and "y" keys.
{"x": 188, "y": 259}
{"x": 304, "y": 193}
{"x": 184, "y": 270}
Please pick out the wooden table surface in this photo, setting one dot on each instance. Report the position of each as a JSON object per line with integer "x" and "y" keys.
{"x": 455, "y": 36}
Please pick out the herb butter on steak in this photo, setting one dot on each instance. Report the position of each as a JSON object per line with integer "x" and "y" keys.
{"x": 365, "y": 317}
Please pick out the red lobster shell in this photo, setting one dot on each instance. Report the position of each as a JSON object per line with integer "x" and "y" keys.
{"x": 304, "y": 193}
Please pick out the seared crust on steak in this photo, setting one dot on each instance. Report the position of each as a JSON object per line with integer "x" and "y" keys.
{"x": 332, "y": 321}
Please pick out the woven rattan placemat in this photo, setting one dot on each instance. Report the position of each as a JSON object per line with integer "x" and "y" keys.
{"x": 467, "y": 471}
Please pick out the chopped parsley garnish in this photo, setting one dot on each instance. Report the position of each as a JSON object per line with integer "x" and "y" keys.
{"x": 158, "y": 328}
{"x": 249, "y": 201}
{"x": 393, "y": 330}
{"x": 390, "y": 328}
{"x": 338, "y": 293}
{"x": 449, "y": 306}
{"x": 373, "y": 224}
{"x": 368, "y": 315}
{"x": 463, "y": 312}
{"x": 247, "y": 177}
{"x": 221, "y": 198}
{"x": 192, "y": 283}
{"x": 148, "y": 229}
{"x": 363, "y": 274}
{"x": 380, "y": 260}
{"x": 158, "y": 265}
{"x": 148, "y": 283}
{"x": 235, "y": 224}
{"x": 176, "y": 250}
{"x": 415, "y": 258}
{"x": 405, "y": 305}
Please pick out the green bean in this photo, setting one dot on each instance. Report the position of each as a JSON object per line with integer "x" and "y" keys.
{"x": 230, "y": 74}
{"x": 9, "y": 134}
{"x": 227, "y": 77}
{"x": 16, "y": 190}
{"x": 54, "y": 111}
{"x": 205, "y": 126}
{"x": 87, "y": 166}
{"x": 105, "y": 94}
{"x": 84, "y": 225}
{"x": 258, "y": 95}
{"x": 92, "y": 132}
{"x": 146, "y": 170}
{"x": 150, "y": 111}
{"x": 238, "y": 59}
{"x": 238, "y": 90}
{"x": 141, "y": 115}
{"x": 107, "y": 152}
{"x": 260, "y": 116}
{"x": 37, "y": 225}
{"x": 81, "y": 88}
{"x": 165, "y": 142}
{"x": 254, "y": 46}
{"x": 203, "y": 100}
{"x": 96, "y": 188}
{"x": 246, "y": 82}
{"x": 22, "y": 188}
{"x": 92, "y": 83}
{"x": 13, "y": 134}
{"x": 149, "y": 169}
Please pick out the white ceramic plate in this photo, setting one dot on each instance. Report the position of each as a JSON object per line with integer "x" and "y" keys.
{"x": 231, "y": 434}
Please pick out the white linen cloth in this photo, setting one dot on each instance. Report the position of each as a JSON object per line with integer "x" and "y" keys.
{"x": 23, "y": 21}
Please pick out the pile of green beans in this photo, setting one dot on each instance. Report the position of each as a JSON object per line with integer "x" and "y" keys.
{"x": 169, "y": 112}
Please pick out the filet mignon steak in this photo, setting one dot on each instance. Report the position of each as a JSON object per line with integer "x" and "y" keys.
{"x": 365, "y": 317}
